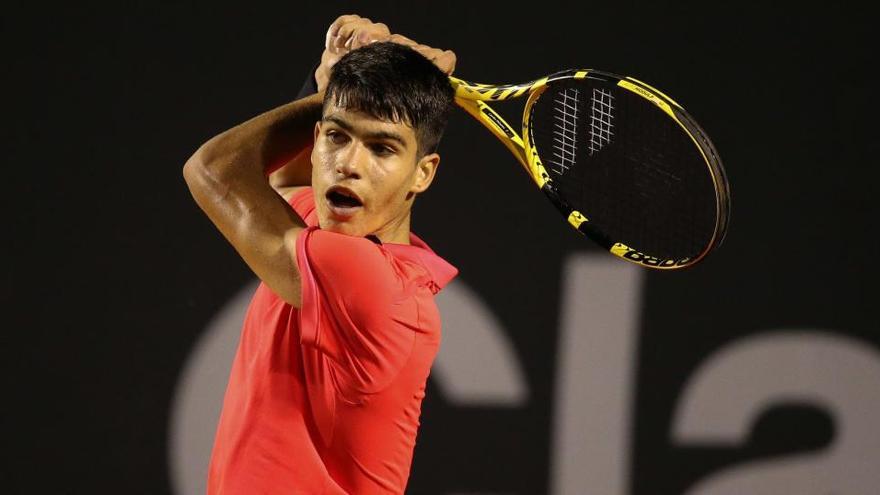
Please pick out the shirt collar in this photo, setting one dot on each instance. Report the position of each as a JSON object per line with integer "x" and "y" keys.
{"x": 419, "y": 252}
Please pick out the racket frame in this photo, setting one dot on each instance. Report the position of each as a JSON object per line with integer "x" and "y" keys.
{"x": 472, "y": 98}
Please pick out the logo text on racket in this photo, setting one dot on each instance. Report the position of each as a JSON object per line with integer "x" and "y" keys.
{"x": 631, "y": 254}
{"x": 488, "y": 112}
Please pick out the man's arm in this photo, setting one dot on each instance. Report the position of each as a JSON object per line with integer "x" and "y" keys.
{"x": 227, "y": 177}
{"x": 294, "y": 175}
{"x": 297, "y": 173}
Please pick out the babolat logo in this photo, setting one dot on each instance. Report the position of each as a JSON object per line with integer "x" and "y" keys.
{"x": 644, "y": 92}
{"x": 631, "y": 254}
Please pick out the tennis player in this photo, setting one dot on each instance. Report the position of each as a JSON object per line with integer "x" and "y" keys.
{"x": 326, "y": 388}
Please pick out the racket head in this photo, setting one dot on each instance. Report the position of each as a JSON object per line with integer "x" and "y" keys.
{"x": 627, "y": 166}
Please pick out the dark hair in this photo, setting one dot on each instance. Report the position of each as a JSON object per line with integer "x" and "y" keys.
{"x": 392, "y": 82}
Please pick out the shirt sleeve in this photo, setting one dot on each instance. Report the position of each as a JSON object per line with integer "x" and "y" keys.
{"x": 350, "y": 292}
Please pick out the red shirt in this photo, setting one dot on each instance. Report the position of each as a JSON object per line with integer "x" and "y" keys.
{"x": 326, "y": 399}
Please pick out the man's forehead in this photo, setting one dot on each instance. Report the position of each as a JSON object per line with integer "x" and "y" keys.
{"x": 332, "y": 108}
{"x": 361, "y": 122}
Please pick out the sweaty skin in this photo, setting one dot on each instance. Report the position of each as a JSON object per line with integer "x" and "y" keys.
{"x": 374, "y": 162}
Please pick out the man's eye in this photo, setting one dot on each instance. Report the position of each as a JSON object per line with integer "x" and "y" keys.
{"x": 382, "y": 150}
{"x": 335, "y": 137}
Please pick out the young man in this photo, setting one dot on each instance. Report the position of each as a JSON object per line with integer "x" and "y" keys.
{"x": 326, "y": 387}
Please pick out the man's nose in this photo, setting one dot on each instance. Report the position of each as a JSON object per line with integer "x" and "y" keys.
{"x": 353, "y": 161}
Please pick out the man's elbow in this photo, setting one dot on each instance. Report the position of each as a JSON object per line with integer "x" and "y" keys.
{"x": 198, "y": 171}
{"x": 193, "y": 167}
{"x": 201, "y": 178}
{"x": 193, "y": 175}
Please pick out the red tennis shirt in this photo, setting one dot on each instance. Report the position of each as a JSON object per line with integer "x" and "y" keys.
{"x": 326, "y": 399}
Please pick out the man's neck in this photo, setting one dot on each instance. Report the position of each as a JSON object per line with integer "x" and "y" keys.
{"x": 395, "y": 233}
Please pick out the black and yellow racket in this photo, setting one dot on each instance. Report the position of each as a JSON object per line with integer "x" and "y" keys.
{"x": 624, "y": 163}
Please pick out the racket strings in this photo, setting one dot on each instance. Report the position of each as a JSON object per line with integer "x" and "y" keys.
{"x": 632, "y": 171}
{"x": 674, "y": 207}
{"x": 566, "y": 114}
{"x": 600, "y": 119}
{"x": 668, "y": 187}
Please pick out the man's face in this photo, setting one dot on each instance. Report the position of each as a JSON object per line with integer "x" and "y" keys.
{"x": 365, "y": 174}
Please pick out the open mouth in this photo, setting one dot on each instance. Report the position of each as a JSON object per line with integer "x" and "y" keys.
{"x": 343, "y": 200}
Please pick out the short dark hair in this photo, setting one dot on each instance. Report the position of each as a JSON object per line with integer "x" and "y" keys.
{"x": 392, "y": 82}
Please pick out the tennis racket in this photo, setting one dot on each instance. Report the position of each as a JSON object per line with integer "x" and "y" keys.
{"x": 623, "y": 163}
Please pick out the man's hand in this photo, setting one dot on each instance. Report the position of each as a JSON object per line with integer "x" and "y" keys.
{"x": 443, "y": 59}
{"x": 350, "y": 32}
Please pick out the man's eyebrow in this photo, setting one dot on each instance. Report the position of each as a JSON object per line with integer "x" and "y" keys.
{"x": 379, "y": 135}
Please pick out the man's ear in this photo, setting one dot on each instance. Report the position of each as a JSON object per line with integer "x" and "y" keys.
{"x": 315, "y": 142}
{"x": 426, "y": 168}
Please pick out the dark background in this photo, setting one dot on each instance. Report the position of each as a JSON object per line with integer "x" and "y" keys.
{"x": 112, "y": 271}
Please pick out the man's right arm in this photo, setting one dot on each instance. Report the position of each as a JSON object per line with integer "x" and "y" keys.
{"x": 227, "y": 177}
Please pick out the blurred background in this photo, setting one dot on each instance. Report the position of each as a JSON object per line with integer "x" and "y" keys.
{"x": 563, "y": 370}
